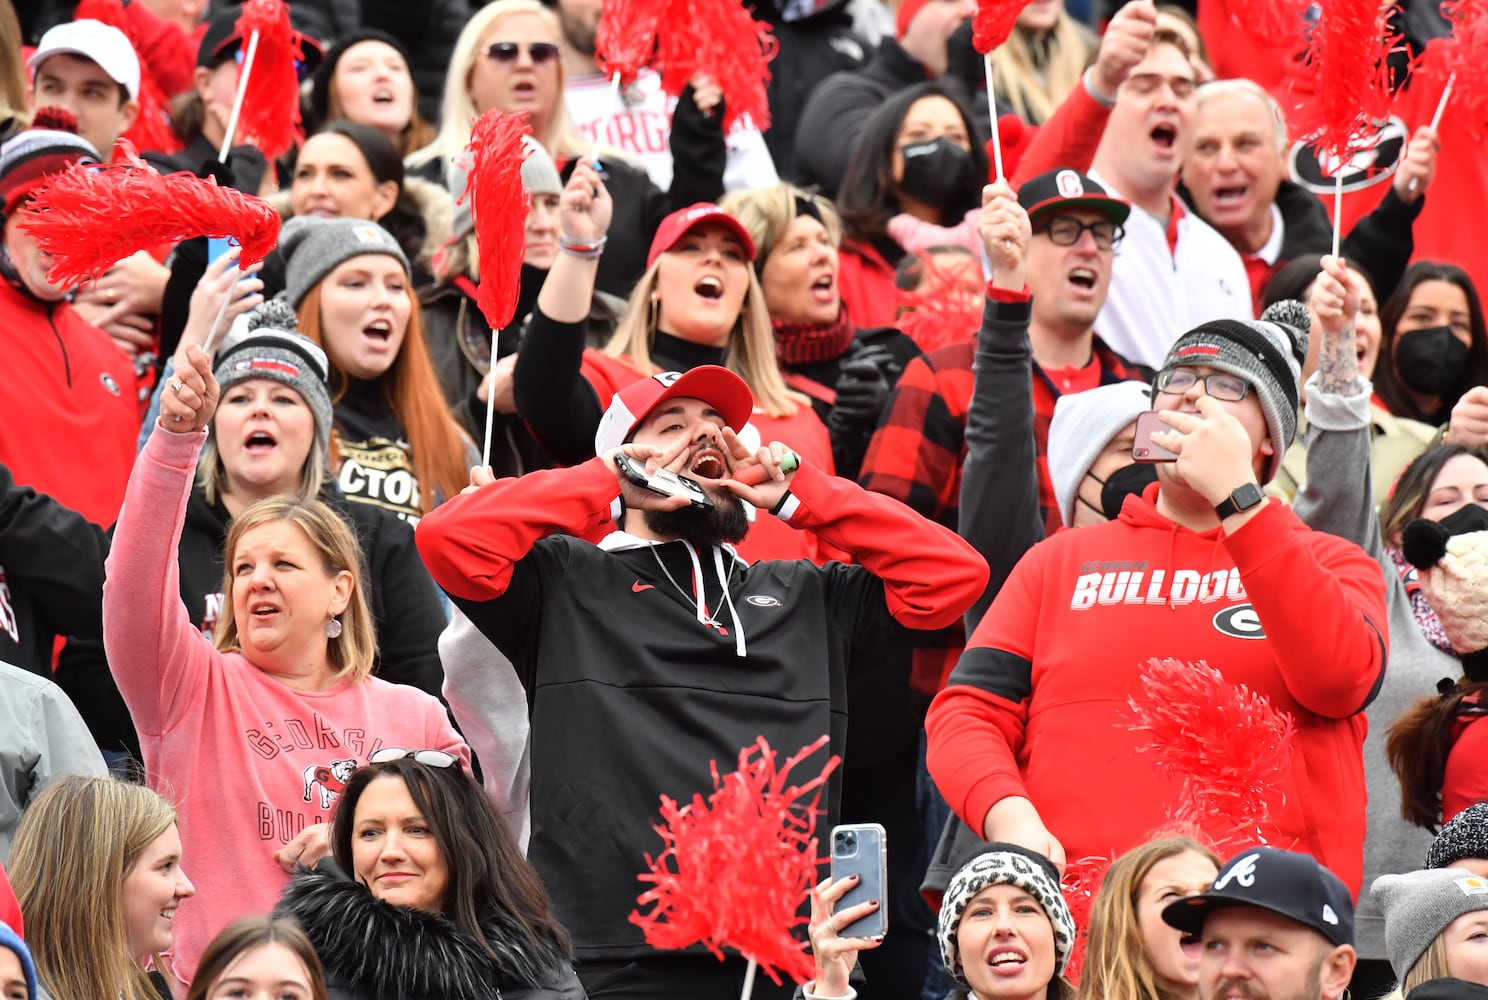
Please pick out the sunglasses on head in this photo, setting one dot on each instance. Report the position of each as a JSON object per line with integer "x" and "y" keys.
{"x": 538, "y": 52}
{"x": 433, "y": 758}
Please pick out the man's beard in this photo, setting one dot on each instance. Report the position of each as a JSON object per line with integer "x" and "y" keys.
{"x": 579, "y": 35}
{"x": 725, "y": 521}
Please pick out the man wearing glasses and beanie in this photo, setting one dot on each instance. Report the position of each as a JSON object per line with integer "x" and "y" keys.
{"x": 1027, "y": 744}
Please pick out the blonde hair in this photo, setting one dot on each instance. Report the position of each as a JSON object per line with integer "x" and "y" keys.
{"x": 76, "y": 844}
{"x": 1117, "y": 966}
{"x": 751, "y": 343}
{"x": 354, "y": 651}
{"x": 768, "y": 211}
{"x": 13, "y": 78}
{"x": 457, "y": 113}
{"x": 1431, "y": 965}
{"x": 1033, "y": 89}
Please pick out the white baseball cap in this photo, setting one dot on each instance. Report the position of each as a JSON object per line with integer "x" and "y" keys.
{"x": 103, "y": 43}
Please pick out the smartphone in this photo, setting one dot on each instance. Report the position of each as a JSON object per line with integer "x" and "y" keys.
{"x": 861, "y": 849}
{"x": 1144, "y": 449}
{"x": 668, "y": 484}
{"x": 217, "y": 246}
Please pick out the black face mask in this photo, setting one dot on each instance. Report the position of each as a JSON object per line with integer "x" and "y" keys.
{"x": 1429, "y": 361}
{"x": 1129, "y": 480}
{"x": 937, "y": 172}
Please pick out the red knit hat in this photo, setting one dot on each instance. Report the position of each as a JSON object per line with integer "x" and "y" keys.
{"x": 906, "y": 12}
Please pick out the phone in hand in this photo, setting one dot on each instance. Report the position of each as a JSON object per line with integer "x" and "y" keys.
{"x": 861, "y": 849}
{"x": 666, "y": 483}
{"x": 1144, "y": 449}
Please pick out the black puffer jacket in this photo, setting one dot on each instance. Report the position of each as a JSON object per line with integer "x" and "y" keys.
{"x": 373, "y": 950}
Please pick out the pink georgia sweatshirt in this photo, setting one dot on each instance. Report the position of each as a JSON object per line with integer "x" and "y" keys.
{"x": 248, "y": 762}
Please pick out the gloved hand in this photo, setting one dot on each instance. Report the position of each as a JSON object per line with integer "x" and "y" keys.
{"x": 863, "y": 385}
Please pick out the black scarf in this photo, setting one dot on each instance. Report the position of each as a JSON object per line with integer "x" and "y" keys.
{"x": 377, "y": 949}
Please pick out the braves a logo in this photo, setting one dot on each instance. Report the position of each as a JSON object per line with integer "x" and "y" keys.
{"x": 1242, "y": 872}
{"x": 329, "y": 779}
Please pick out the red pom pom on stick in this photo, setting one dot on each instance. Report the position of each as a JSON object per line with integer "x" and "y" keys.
{"x": 719, "y": 38}
{"x": 270, "y": 95}
{"x": 1226, "y": 745}
{"x": 738, "y": 865}
{"x": 1346, "y": 73}
{"x": 90, "y": 217}
{"x": 993, "y": 23}
{"x": 498, "y": 207}
{"x": 944, "y": 311}
{"x": 1271, "y": 24}
{"x": 151, "y": 129}
{"x": 1453, "y": 64}
{"x": 626, "y": 40}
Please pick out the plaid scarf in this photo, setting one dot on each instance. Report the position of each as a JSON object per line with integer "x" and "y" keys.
{"x": 1430, "y": 625}
{"x": 809, "y": 343}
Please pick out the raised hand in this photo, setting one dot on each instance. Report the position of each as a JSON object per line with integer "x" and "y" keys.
{"x": 188, "y": 403}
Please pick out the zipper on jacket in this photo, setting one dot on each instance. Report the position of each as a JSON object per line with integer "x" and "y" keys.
{"x": 61, "y": 344}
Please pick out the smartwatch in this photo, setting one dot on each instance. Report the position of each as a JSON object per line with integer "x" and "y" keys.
{"x": 1242, "y": 498}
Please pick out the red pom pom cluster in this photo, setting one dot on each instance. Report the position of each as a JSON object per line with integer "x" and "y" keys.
{"x": 498, "y": 207}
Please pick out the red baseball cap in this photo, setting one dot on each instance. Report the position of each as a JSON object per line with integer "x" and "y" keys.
{"x": 676, "y": 226}
{"x": 713, "y": 384}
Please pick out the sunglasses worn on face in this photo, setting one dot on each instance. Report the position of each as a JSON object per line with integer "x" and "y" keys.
{"x": 507, "y": 52}
{"x": 433, "y": 758}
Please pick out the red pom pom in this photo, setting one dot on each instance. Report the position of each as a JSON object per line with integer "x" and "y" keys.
{"x": 626, "y": 39}
{"x": 738, "y": 866}
{"x": 270, "y": 118}
{"x": 945, "y": 310}
{"x": 1082, "y": 880}
{"x": 1457, "y": 58}
{"x": 151, "y": 129}
{"x": 1346, "y": 75}
{"x": 994, "y": 22}
{"x": 55, "y": 119}
{"x": 1225, "y": 744}
{"x": 498, "y": 207}
{"x": 90, "y": 217}
{"x": 1271, "y": 24}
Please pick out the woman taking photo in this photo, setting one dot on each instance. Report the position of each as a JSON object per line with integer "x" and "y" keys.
{"x": 698, "y": 303}
{"x": 916, "y": 156}
{"x": 507, "y": 59}
{"x": 395, "y": 444}
{"x": 258, "y": 731}
{"x": 847, "y": 371}
{"x": 1130, "y": 952}
{"x": 1005, "y": 897}
{"x": 439, "y": 901}
{"x": 96, "y": 865}
{"x": 260, "y": 958}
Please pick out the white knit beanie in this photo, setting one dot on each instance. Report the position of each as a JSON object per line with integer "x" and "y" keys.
{"x": 1084, "y": 423}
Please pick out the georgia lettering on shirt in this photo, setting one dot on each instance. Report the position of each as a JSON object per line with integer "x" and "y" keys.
{"x": 1103, "y": 584}
{"x": 315, "y": 760}
{"x": 380, "y": 472}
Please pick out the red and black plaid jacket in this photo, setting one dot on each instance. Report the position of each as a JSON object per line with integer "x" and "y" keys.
{"x": 917, "y": 452}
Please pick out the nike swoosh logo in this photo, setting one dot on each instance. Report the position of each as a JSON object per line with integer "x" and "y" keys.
{"x": 638, "y": 586}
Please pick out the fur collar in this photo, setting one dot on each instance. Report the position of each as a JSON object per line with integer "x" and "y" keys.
{"x": 376, "y": 949}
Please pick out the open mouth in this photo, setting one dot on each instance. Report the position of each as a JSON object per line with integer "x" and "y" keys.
{"x": 1165, "y": 135}
{"x": 710, "y": 288}
{"x": 1227, "y": 197}
{"x": 383, "y": 96}
{"x": 1007, "y": 960}
{"x": 524, "y": 88}
{"x": 708, "y": 464}
{"x": 824, "y": 286}
{"x": 259, "y": 442}
{"x": 1189, "y": 945}
{"x": 262, "y": 611}
{"x": 380, "y": 330}
{"x": 1083, "y": 277}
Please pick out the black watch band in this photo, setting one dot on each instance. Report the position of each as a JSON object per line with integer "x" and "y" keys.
{"x": 1241, "y": 498}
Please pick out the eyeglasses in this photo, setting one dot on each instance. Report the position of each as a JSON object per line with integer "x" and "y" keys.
{"x": 1065, "y": 231}
{"x": 507, "y": 52}
{"x": 1220, "y": 385}
{"x": 433, "y": 758}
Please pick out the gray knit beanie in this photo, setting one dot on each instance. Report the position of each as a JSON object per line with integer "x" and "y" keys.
{"x": 1418, "y": 906}
{"x": 539, "y": 176}
{"x": 1267, "y": 353}
{"x": 273, "y": 349}
{"x": 314, "y": 247}
{"x": 1464, "y": 836}
{"x": 1005, "y": 864}
{"x": 1084, "y": 423}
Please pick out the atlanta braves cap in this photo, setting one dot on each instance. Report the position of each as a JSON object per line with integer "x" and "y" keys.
{"x": 713, "y": 384}
{"x": 1285, "y": 882}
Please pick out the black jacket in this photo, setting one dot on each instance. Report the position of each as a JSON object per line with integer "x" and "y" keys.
{"x": 811, "y": 49}
{"x": 405, "y": 608}
{"x": 373, "y": 950}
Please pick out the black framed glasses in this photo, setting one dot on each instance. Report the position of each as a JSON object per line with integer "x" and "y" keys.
{"x": 507, "y": 52}
{"x": 433, "y": 758}
{"x": 1220, "y": 385}
{"x": 1066, "y": 230}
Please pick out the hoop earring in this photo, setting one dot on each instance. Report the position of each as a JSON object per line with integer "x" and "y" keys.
{"x": 333, "y": 628}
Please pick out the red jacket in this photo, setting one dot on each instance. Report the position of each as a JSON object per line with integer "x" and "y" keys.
{"x": 1035, "y": 706}
{"x": 1465, "y": 779}
{"x": 867, "y": 284}
{"x": 71, "y": 415}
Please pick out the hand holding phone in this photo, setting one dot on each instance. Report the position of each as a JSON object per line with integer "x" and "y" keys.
{"x": 663, "y": 482}
{"x": 1144, "y": 449}
{"x": 861, "y": 849}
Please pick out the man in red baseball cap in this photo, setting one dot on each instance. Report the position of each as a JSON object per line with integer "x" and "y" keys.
{"x": 659, "y": 650}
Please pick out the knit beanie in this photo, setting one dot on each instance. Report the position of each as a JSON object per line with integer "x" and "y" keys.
{"x": 273, "y": 349}
{"x": 1005, "y": 864}
{"x": 314, "y": 247}
{"x": 1084, "y": 423}
{"x": 1464, "y": 836}
{"x": 10, "y": 939}
{"x": 1418, "y": 906}
{"x": 31, "y": 156}
{"x": 1266, "y": 353}
{"x": 539, "y": 176}
{"x": 320, "y": 86}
